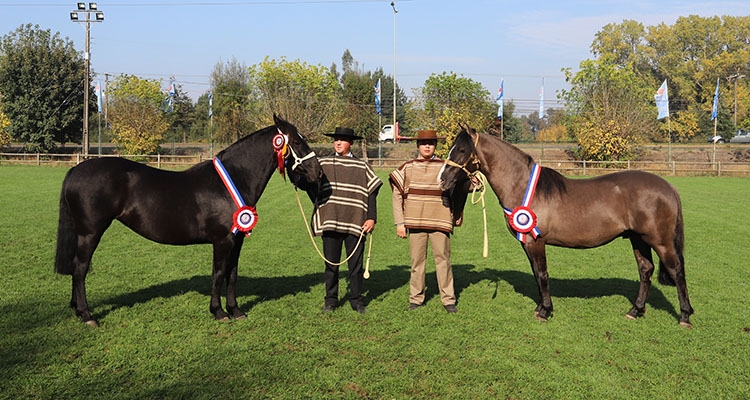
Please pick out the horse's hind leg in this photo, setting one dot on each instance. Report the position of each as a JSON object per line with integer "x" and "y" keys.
{"x": 643, "y": 257}
{"x": 675, "y": 267}
{"x": 82, "y": 261}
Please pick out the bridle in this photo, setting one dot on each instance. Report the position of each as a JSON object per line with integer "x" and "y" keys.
{"x": 298, "y": 160}
{"x": 472, "y": 160}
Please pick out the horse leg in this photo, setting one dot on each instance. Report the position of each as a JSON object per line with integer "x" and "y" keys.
{"x": 221, "y": 261}
{"x": 234, "y": 256}
{"x": 82, "y": 262}
{"x": 674, "y": 264}
{"x": 643, "y": 258}
{"x": 537, "y": 256}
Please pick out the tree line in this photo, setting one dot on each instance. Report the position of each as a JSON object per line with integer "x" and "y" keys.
{"x": 609, "y": 107}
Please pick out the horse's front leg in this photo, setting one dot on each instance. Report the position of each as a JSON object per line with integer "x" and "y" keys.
{"x": 221, "y": 262}
{"x": 232, "y": 307}
{"x": 644, "y": 258}
{"x": 537, "y": 256}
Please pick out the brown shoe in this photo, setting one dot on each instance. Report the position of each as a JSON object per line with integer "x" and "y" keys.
{"x": 451, "y": 308}
{"x": 414, "y": 306}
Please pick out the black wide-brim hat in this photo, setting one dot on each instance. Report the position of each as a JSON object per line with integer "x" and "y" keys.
{"x": 346, "y": 133}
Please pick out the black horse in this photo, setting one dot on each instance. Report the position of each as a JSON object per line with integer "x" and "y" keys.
{"x": 179, "y": 208}
{"x": 578, "y": 213}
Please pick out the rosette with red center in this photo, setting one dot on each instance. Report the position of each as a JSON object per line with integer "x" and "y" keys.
{"x": 279, "y": 146}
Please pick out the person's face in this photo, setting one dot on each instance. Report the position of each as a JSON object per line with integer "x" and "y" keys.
{"x": 342, "y": 145}
{"x": 426, "y": 148}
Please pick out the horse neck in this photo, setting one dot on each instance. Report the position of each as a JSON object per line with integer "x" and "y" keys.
{"x": 250, "y": 163}
{"x": 506, "y": 167}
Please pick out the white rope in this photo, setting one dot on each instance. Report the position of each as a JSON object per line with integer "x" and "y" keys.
{"x": 479, "y": 182}
{"x": 312, "y": 239}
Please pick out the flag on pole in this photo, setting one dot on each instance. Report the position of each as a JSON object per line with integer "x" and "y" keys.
{"x": 662, "y": 100}
{"x": 377, "y": 96}
{"x": 500, "y": 99}
{"x": 99, "y": 95}
{"x": 210, "y": 103}
{"x": 715, "y": 109}
{"x": 541, "y": 100}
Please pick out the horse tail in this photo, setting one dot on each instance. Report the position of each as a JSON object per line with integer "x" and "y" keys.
{"x": 67, "y": 239}
{"x": 679, "y": 245}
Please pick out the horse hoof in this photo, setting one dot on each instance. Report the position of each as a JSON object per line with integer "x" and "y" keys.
{"x": 223, "y": 319}
{"x": 243, "y": 316}
{"x": 687, "y": 325}
{"x": 92, "y": 322}
{"x": 628, "y": 316}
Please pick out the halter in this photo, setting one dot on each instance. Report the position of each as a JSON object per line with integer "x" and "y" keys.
{"x": 280, "y": 145}
{"x": 473, "y": 159}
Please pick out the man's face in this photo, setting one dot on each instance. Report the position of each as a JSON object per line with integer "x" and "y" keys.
{"x": 342, "y": 145}
{"x": 426, "y": 148}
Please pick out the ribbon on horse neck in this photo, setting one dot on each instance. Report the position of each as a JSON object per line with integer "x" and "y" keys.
{"x": 246, "y": 217}
{"x": 522, "y": 219}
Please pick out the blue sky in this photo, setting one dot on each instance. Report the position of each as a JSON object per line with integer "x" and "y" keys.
{"x": 520, "y": 41}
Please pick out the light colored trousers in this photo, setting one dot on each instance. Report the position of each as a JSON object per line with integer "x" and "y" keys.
{"x": 441, "y": 251}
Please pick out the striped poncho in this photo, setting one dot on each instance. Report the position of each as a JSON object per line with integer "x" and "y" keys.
{"x": 344, "y": 195}
{"x": 418, "y": 202}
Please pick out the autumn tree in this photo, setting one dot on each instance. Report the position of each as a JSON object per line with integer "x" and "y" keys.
{"x": 4, "y": 124}
{"x": 306, "y": 95}
{"x": 136, "y": 116}
{"x": 42, "y": 83}
{"x": 447, "y": 101}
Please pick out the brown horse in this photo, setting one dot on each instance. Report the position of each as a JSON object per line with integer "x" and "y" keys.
{"x": 543, "y": 207}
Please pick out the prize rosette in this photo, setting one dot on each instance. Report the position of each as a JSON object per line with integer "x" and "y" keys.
{"x": 279, "y": 146}
{"x": 245, "y": 219}
{"x": 522, "y": 219}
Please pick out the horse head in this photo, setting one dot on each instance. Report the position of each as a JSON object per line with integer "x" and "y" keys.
{"x": 462, "y": 161}
{"x": 301, "y": 163}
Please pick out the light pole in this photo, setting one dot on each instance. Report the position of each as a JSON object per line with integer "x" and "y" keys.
{"x": 393, "y": 5}
{"x": 735, "y": 77}
{"x": 81, "y": 8}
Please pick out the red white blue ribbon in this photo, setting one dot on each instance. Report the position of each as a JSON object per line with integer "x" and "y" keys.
{"x": 246, "y": 217}
{"x": 522, "y": 219}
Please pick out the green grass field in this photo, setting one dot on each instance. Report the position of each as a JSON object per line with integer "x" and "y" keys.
{"x": 157, "y": 339}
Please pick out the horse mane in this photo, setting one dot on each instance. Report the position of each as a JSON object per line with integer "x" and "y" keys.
{"x": 239, "y": 143}
{"x": 551, "y": 183}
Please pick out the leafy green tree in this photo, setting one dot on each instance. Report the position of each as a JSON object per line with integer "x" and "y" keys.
{"x": 306, "y": 95}
{"x": 231, "y": 94}
{"x": 447, "y": 101}
{"x": 602, "y": 96}
{"x": 4, "y": 136}
{"x": 136, "y": 116}
{"x": 181, "y": 116}
{"x": 41, "y": 79}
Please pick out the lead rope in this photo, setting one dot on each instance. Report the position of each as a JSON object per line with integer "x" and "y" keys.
{"x": 480, "y": 185}
{"x": 312, "y": 239}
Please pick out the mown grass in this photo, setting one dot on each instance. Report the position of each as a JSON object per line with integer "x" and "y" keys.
{"x": 158, "y": 340}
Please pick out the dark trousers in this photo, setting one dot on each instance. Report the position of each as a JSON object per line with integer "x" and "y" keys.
{"x": 332, "y": 242}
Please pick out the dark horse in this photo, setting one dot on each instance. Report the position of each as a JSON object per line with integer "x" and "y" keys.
{"x": 179, "y": 208}
{"x": 577, "y": 213}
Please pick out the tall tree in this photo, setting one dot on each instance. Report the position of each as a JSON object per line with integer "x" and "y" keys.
{"x": 230, "y": 82}
{"x": 307, "y": 95}
{"x": 447, "y": 100}
{"x": 136, "y": 116}
{"x": 42, "y": 83}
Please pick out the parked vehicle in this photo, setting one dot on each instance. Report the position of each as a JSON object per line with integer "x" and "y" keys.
{"x": 742, "y": 136}
{"x": 716, "y": 139}
{"x": 388, "y": 134}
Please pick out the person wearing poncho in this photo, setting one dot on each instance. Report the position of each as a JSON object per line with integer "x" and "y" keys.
{"x": 421, "y": 212}
{"x": 345, "y": 209}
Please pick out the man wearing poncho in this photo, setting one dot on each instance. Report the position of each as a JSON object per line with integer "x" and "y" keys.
{"x": 345, "y": 209}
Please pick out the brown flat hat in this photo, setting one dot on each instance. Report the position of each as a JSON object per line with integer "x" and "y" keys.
{"x": 428, "y": 134}
{"x": 347, "y": 133}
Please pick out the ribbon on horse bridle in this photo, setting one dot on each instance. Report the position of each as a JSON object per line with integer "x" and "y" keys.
{"x": 280, "y": 146}
{"x": 523, "y": 219}
{"x": 246, "y": 217}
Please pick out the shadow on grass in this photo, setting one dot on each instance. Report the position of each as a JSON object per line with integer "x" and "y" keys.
{"x": 389, "y": 279}
{"x": 525, "y": 284}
